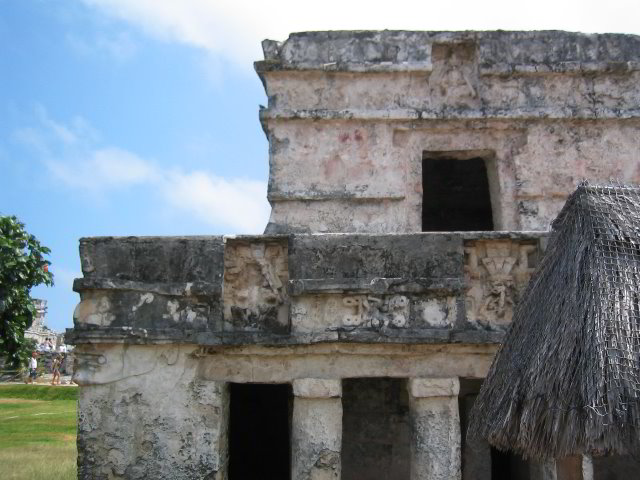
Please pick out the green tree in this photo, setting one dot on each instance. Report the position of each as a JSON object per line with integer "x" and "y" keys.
{"x": 22, "y": 267}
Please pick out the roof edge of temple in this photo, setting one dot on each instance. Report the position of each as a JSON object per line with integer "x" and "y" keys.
{"x": 496, "y": 51}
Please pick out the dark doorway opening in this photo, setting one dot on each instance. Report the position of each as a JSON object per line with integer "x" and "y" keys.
{"x": 508, "y": 466}
{"x": 456, "y": 194}
{"x": 376, "y": 432}
{"x": 616, "y": 467}
{"x": 260, "y": 431}
{"x": 476, "y": 452}
{"x": 480, "y": 461}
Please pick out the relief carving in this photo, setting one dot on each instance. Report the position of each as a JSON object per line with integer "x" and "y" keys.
{"x": 454, "y": 76}
{"x": 496, "y": 273}
{"x": 255, "y": 278}
{"x": 331, "y": 312}
{"x": 375, "y": 312}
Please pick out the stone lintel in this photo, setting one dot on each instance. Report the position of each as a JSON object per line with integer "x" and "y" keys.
{"x": 434, "y": 387}
{"x": 317, "y": 388}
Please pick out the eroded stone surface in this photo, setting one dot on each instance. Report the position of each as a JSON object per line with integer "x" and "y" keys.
{"x": 129, "y": 426}
{"x": 306, "y": 289}
{"x": 434, "y": 387}
{"x": 316, "y": 438}
{"x": 351, "y": 114}
{"x": 352, "y": 290}
{"x": 435, "y": 451}
{"x": 496, "y": 274}
{"x": 255, "y": 279}
{"x": 316, "y": 388}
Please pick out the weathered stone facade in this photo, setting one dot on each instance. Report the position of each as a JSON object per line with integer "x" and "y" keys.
{"x": 379, "y": 329}
{"x": 351, "y": 114}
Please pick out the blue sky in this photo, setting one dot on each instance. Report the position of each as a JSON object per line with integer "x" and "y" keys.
{"x": 140, "y": 117}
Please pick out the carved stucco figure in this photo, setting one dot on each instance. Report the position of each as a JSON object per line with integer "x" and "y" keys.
{"x": 496, "y": 273}
{"x": 255, "y": 276}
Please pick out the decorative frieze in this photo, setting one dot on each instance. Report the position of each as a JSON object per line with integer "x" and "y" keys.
{"x": 255, "y": 278}
{"x": 496, "y": 273}
{"x": 328, "y": 312}
{"x": 305, "y": 288}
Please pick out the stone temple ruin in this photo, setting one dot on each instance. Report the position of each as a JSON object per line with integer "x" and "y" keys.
{"x": 413, "y": 176}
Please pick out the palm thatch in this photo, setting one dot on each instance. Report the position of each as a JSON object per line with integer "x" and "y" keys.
{"x": 567, "y": 379}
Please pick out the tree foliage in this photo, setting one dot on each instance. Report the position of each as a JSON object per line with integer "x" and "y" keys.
{"x": 22, "y": 267}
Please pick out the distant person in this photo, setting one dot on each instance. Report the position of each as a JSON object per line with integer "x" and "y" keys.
{"x": 55, "y": 368}
{"x": 33, "y": 368}
{"x": 62, "y": 348}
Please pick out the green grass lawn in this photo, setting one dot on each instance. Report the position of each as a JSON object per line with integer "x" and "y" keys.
{"x": 37, "y": 432}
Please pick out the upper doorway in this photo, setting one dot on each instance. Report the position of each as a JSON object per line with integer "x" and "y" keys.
{"x": 456, "y": 193}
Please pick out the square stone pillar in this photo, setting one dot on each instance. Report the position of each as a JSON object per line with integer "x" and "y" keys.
{"x": 435, "y": 451}
{"x": 316, "y": 436}
{"x": 587, "y": 467}
{"x": 543, "y": 470}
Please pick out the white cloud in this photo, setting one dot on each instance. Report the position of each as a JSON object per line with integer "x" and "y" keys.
{"x": 119, "y": 45}
{"x": 61, "y": 132}
{"x": 238, "y": 202}
{"x": 234, "y": 28}
{"x": 72, "y": 156}
{"x": 103, "y": 169}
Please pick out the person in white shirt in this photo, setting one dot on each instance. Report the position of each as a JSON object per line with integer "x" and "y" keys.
{"x": 33, "y": 367}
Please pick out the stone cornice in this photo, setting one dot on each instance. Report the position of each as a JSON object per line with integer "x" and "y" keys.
{"x": 451, "y": 114}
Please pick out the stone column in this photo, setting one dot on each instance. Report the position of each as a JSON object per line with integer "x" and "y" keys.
{"x": 587, "y": 467}
{"x": 543, "y": 470}
{"x": 435, "y": 451}
{"x": 316, "y": 429}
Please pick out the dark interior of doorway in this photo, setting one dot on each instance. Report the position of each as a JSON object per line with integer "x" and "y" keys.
{"x": 376, "y": 433}
{"x": 259, "y": 431}
{"x": 456, "y": 195}
{"x": 479, "y": 460}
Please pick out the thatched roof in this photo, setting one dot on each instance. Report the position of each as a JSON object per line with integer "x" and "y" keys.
{"x": 567, "y": 378}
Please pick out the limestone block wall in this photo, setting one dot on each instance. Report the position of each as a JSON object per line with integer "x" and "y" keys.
{"x": 344, "y": 291}
{"x": 143, "y": 412}
{"x": 162, "y": 411}
{"x": 303, "y": 289}
{"x": 165, "y": 325}
{"x": 351, "y": 115}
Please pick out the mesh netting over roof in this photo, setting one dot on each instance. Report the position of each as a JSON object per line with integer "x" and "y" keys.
{"x": 567, "y": 378}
